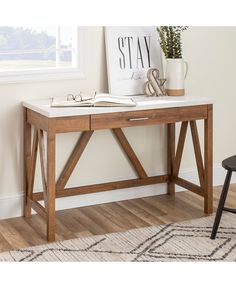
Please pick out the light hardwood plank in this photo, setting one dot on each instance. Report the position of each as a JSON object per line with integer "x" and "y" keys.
{"x": 100, "y": 219}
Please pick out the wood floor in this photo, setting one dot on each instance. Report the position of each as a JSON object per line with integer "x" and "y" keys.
{"x": 107, "y": 218}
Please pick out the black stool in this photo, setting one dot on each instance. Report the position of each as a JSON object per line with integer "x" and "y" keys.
{"x": 230, "y": 165}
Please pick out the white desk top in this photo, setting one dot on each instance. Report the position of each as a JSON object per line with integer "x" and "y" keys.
{"x": 43, "y": 107}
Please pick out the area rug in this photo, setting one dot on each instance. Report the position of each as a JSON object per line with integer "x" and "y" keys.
{"x": 185, "y": 241}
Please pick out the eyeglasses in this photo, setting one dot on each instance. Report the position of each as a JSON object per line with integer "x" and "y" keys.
{"x": 72, "y": 97}
{"x": 79, "y": 97}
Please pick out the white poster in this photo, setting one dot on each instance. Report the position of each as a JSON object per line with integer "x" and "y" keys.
{"x": 130, "y": 52}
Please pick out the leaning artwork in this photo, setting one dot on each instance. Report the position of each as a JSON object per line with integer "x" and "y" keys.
{"x": 130, "y": 53}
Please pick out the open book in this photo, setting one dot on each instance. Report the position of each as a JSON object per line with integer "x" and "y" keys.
{"x": 99, "y": 100}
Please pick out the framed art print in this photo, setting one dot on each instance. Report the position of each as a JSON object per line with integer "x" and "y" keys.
{"x": 130, "y": 52}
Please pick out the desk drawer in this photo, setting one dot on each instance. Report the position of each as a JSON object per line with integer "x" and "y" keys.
{"x": 147, "y": 117}
{"x": 71, "y": 124}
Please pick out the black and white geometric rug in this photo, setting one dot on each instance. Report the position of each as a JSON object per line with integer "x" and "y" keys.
{"x": 185, "y": 241}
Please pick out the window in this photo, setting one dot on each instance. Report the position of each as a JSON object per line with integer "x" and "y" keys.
{"x": 40, "y": 53}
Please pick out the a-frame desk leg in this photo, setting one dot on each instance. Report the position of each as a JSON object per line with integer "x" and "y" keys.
{"x": 51, "y": 189}
{"x": 208, "y": 155}
{"x": 27, "y": 164}
{"x": 171, "y": 158}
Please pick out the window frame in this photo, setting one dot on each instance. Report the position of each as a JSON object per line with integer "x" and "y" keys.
{"x": 51, "y": 73}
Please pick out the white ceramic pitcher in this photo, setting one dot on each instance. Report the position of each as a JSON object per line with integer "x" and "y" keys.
{"x": 176, "y": 72}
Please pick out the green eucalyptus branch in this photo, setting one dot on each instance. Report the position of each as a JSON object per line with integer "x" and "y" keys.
{"x": 170, "y": 40}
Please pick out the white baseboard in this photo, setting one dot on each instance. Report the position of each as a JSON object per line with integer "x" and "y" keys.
{"x": 12, "y": 206}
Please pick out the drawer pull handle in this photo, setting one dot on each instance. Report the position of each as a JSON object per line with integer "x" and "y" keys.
{"x": 138, "y": 119}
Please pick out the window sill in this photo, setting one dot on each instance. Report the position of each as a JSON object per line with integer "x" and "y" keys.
{"x": 41, "y": 75}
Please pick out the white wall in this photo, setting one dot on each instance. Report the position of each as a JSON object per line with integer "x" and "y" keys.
{"x": 210, "y": 52}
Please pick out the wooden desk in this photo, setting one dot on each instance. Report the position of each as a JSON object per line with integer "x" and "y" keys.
{"x": 149, "y": 111}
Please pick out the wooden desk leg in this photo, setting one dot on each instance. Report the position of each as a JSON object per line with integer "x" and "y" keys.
{"x": 27, "y": 163}
{"x": 51, "y": 189}
{"x": 208, "y": 147}
{"x": 170, "y": 157}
